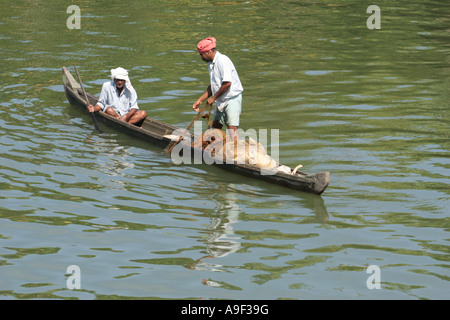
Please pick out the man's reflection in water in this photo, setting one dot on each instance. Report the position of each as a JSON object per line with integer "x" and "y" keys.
{"x": 221, "y": 240}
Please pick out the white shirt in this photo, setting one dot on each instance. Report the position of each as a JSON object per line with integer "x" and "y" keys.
{"x": 222, "y": 69}
{"x": 121, "y": 104}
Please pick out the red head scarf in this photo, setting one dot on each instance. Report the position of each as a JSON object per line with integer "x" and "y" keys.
{"x": 206, "y": 44}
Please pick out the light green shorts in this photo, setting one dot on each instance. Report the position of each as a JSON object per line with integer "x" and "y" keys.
{"x": 230, "y": 113}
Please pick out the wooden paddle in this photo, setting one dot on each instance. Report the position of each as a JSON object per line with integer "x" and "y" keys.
{"x": 87, "y": 101}
{"x": 172, "y": 143}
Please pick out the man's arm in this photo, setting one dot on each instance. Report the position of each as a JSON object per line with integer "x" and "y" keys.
{"x": 224, "y": 88}
{"x": 91, "y": 108}
{"x": 102, "y": 100}
{"x": 202, "y": 98}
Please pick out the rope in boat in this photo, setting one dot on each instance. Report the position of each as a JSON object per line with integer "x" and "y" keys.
{"x": 173, "y": 143}
{"x": 296, "y": 168}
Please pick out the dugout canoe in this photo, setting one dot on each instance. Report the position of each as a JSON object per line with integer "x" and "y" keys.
{"x": 157, "y": 133}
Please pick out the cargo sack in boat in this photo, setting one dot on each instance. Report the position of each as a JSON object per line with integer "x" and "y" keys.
{"x": 243, "y": 152}
{"x": 209, "y": 139}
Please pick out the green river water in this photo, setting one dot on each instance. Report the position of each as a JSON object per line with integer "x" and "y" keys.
{"x": 368, "y": 105}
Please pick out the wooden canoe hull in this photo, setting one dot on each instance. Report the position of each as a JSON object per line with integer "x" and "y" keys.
{"x": 154, "y": 131}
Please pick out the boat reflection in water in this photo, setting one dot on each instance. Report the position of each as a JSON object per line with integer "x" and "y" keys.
{"x": 221, "y": 239}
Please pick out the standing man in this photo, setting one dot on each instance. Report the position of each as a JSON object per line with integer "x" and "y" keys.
{"x": 119, "y": 99}
{"x": 225, "y": 88}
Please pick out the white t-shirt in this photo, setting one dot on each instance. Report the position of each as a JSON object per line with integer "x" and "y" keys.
{"x": 222, "y": 69}
{"x": 121, "y": 104}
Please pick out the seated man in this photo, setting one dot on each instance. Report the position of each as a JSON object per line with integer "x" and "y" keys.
{"x": 119, "y": 99}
